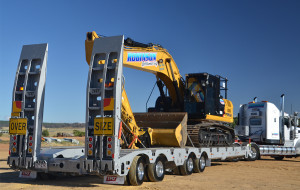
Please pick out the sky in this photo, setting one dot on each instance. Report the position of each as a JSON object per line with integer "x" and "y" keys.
{"x": 254, "y": 43}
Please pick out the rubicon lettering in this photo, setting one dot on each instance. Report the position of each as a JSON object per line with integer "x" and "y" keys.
{"x": 147, "y": 59}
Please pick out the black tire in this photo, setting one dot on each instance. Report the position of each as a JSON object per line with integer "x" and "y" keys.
{"x": 187, "y": 167}
{"x": 156, "y": 171}
{"x": 136, "y": 172}
{"x": 200, "y": 164}
{"x": 254, "y": 152}
{"x": 278, "y": 157}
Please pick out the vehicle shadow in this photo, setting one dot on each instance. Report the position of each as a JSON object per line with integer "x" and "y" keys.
{"x": 216, "y": 164}
{"x": 64, "y": 181}
{"x": 273, "y": 160}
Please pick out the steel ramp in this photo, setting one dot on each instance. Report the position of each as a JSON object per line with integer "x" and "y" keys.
{"x": 103, "y": 104}
{"x": 28, "y": 106}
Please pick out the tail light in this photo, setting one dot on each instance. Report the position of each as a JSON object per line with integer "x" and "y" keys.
{"x": 13, "y": 144}
{"x": 90, "y": 146}
{"x": 30, "y": 143}
{"x": 109, "y": 146}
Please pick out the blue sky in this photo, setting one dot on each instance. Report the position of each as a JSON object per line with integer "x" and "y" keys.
{"x": 255, "y": 44}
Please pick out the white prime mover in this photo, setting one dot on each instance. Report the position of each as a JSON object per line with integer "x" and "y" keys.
{"x": 102, "y": 154}
{"x": 275, "y": 132}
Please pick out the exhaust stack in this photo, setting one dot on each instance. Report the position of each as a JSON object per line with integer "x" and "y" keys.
{"x": 282, "y": 120}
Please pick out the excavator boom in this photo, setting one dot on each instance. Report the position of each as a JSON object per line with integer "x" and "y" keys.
{"x": 198, "y": 97}
{"x": 138, "y": 131}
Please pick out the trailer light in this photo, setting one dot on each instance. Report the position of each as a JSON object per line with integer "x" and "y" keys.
{"x": 30, "y": 150}
{"x": 15, "y": 137}
{"x": 101, "y": 62}
{"x": 14, "y": 149}
{"x": 90, "y": 152}
{"x": 109, "y": 139}
{"x": 30, "y": 138}
{"x": 14, "y": 143}
{"x": 109, "y": 145}
{"x": 109, "y": 152}
{"x": 30, "y": 144}
{"x": 90, "y": 145}
{"x": 21, "y": 88}
{"x": 111, "y": 84}
{"x": 90, "y": 139}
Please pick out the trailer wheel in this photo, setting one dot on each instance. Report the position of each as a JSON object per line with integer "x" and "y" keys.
{"x": 136, "y": 172}
{"x": 254, "y": 152}
{"x": 156, "y": 171}
{"x": 200, "y": 164}
{"x": 278, "y": 157}
{"x": 187, "y": 167}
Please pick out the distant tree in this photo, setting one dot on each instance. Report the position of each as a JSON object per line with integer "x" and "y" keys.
{"x": 235, "y": 121}
{"x": 45, "y": 133}
{"x": 78, "y": 133}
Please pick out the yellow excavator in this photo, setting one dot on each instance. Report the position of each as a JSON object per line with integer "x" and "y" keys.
{"x": 192, "y": 113}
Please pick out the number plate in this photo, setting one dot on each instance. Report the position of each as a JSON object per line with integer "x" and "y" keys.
{"x": 28, "y": 174}
{"x": 110, "y": 179}
{"x": 103, "y": 126}
{"x": 17, "y": 126}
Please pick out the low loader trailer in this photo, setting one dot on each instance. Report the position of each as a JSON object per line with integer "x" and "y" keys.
{"x": 102, "y": 154}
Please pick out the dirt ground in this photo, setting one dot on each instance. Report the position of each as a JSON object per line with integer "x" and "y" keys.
{"x": 261, "y": 174}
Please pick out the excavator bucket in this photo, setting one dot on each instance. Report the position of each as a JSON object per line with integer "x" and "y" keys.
{"x": 168, "y": 129}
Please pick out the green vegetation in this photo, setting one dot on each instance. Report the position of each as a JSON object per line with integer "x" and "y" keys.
{"x": 45, "y": 133}
{"x": 78, "y": 133}
{"x": 1, "y": 134}
{"x": 235, "y": 121}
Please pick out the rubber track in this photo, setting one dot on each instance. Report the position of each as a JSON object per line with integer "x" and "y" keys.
{"x": 193, "y": 131}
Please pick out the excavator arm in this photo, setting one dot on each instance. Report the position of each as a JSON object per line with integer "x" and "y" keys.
{"x": 156, "y": 60}
{"x": 153, "y": 59}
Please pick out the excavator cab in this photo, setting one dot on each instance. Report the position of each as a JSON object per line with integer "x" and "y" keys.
{"x": 203, "y": 95}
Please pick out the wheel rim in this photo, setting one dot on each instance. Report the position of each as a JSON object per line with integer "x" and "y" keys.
{"x": 190, "y": 164}
{"x": 140, "y": 171}
{"x": 202, "y": 162}
{"x": 159, "y": 168}
{"x": 253, "y": 152}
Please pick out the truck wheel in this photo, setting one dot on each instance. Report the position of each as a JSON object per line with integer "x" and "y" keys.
{"x": 136, "y": 172}
{"x": 156, "y": 171}
{"x": 279, "y": 157}
{"x": 254, "y": 152}
{"x": 200, "y": 164}
{"x": 187, "y": 167}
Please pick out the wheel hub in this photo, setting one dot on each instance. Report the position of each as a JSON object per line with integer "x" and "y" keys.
{"x": 140, "y": 171}
{"x": 253, "y": 152}
{"x": 159, "y": 168}
{"x": 190, "y": 164}
{"x": 202, "y": 162}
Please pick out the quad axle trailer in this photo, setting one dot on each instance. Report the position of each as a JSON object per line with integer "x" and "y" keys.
{"x": 102, "y": 154}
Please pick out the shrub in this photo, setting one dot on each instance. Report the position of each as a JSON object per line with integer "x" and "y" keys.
{"x": 78, "y": 133}
{"x": 45, "y": 133}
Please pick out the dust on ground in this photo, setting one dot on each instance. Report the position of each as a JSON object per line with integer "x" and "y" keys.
{"x": 261, "y": 174}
